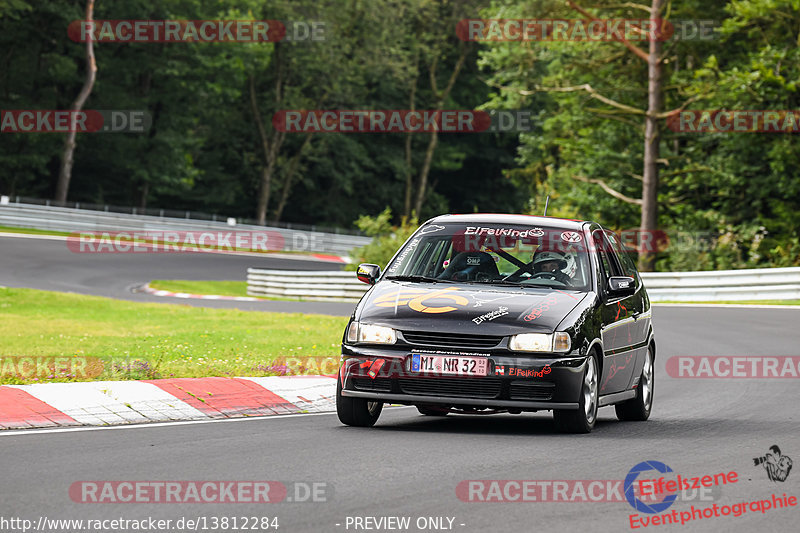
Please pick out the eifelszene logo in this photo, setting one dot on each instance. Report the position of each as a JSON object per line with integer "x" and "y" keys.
{"x": 630, "y": 485}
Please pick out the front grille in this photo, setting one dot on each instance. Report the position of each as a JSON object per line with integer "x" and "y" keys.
{"x": 485, "y": 388}
{"x": 457, "y": 340}
{"x": 373, "y": 385}
{"x": 527, "y": 390}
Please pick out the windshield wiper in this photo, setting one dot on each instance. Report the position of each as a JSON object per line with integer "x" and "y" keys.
{"x": 507, "y": 283}
{"x": 419, "y": 278}
{"x": 517, "y": 284}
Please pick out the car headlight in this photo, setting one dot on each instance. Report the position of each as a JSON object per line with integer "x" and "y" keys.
{"x": 370, "y": 333}
{"x": 540, "y": 342}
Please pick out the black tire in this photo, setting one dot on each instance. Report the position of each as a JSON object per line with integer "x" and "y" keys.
{"x": 429, "y": 410}
{"x": 639, "y": 407}
{"x": 581, "y": 420}
{"x": 357, "y": 412}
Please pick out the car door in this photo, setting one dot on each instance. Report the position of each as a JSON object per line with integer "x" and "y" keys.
{"x": 618, "y": 322}
{"x": 640, "y": 306}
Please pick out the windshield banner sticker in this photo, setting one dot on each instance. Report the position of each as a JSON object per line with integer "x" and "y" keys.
{"x": 402, "y": 257}
{"x": 504, "y": 232}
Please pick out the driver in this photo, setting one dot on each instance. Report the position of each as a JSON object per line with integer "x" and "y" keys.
{"x": 551, "y": 263}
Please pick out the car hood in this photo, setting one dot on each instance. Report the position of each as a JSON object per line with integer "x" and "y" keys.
{"x": 462, "y": 308}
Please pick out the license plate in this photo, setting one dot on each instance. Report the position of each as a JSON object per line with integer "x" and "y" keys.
{"x": 451, "y": 365}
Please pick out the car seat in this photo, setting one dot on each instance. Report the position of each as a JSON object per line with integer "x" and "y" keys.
{"x": 470, "y": 266}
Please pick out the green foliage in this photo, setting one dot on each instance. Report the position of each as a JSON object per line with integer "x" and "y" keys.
{"x": 740, "y": 189}
{"x": 387, "y": 239}
{"x": 204, "y": 152}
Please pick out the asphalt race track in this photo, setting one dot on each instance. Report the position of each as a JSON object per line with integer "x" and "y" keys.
{"x": 47, "y": 264}
{"x": 410, "y": 465}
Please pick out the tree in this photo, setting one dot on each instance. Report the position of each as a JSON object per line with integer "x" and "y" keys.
{"x": 65, "y": 173}
{"x": 584, "y": 148}
{"x": 652, "y": 138}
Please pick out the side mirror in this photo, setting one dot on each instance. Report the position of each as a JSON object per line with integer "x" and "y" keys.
{"x": 621, "y": 286}
{"x": 368, "y": 273}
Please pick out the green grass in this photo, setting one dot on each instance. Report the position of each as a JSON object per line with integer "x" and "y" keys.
{"x": 219, "y": 288}
{"x": 741, "y": 302}
{"x": 149, "y": 341}
{"x": 31, "y": 231}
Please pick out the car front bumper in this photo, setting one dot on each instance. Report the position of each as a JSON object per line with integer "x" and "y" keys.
{"x": 541, "y": 382}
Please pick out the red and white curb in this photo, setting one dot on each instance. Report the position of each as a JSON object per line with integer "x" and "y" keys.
{"x": 156, "y": 292}
{"x": 105, "y": 403}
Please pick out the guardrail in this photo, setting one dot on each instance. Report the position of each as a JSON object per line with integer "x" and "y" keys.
{"x": 21, "y": 215}
{"x": 722, "y": 285}
{"x": 318, "y": 286}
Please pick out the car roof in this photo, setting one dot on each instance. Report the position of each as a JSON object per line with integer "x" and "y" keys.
{"x": 491, "y": 218}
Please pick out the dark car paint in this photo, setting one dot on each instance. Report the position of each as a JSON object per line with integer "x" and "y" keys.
{"x": 622, "y": 341}
{"x": 389, "y": 302}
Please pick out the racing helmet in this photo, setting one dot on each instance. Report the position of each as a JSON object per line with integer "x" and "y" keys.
{"x": 547, "y": 256}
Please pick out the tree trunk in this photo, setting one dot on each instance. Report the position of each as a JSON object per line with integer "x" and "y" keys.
{"x": 652, "y": 138}
{"x": 264, "y": 193}
{"x": 409, "y": 138}
{"x": 423, "y": 174}
{"x": 290, "y": 172}
{"x": 270, "y": 153}
{"x": 441, "y": 98}
{"x": 67, "y": 156}
{"x": 144, "y": 192}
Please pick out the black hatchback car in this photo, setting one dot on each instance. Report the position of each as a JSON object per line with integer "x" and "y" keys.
{"x": 501, "y": 313}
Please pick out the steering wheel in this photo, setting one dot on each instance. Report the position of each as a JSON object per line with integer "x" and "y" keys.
{"x": 528, "y": 268}
{"x": 562, "y": 278}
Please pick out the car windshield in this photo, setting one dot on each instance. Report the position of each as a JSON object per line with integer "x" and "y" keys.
{"x": 496, "y": 254}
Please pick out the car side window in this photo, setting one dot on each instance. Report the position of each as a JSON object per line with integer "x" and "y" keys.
{"x": 427, "y": 259}
{"x": 628, "y": 266}
{"x": 608, "y": 265}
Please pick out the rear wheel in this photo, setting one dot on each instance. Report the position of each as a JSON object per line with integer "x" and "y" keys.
{"x": 581, "y": 420}
{"x": 429, "y": 410}
{"x": 356, "y": 411}
{"x": 639, "y": 407}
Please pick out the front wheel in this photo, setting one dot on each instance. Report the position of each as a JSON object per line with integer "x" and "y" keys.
{"x": 357, "y": 412}
{"x": 581, "y": 420}
{"x": 639, "y": 407}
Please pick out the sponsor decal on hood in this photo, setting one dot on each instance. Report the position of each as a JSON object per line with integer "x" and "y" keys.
{"x": 411, "y": 306}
